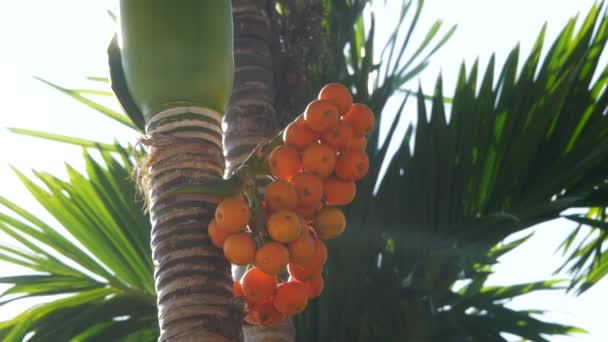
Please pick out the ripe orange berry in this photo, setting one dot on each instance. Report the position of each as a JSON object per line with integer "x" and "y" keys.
{"x": 232, "y": 214}
{"x": 280, "y": 195}
{"x": 308, "y": 213}
{"x": 299, "y": 135}
{"x": 318, "y": 258}
{"x": 284, "y": 226}
{"x": 302, "y": 274}
{"x": 239, "y": 249}
{"x": 284, "y": 162}
{"x": 301, "y": 249}
{"x": 314, "y": 287}
{"x": 309, "y": 189}
{"x": 338, "y": 192}
{"x": 269, "y": 316}
{"x": 258, "y": 286}
{"x": 237, "y": 290}
{"x": 339, "y": 95}
{"x": 339, "y": 136}
{"x": 217, "y": 235}
{"x": 290, "y": 298}
{"x": 361, "y": 118}
{"x": 356, "y": 143}
{"x": 352, "y": 165}
{"x": 319, "y": 159}
{"x": 272, "y": 258}
{"x": 321, "y": 115}
{"x": 330, "y": 223}
{"x": 312, "y": 267}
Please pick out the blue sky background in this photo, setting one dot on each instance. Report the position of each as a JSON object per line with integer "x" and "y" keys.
{"x": 66, "y": 40}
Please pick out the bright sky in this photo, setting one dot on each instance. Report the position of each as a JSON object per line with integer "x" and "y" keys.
{"x": 65, "y": 40}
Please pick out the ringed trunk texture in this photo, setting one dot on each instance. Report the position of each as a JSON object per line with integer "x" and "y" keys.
{"x": 251, "y": 116}
{"x": 192, "y": 276}
{"x": 177, "y": 60}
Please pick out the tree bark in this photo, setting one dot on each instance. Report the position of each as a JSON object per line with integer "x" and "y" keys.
{"x": 251, "y": 115}
{"x": 192, "y": 276}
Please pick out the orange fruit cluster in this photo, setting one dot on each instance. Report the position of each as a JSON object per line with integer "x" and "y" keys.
{"x": 314, "y": 172}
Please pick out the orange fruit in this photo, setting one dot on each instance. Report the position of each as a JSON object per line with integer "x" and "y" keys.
{"x": 321, "y": 115}
{"x": 284, "y": 162}
{"x": 272, "y": 258}
{"x": 299, "y": 135}
{"x": 338, "y": 137}
{"x": 318, "y": 258}
{"x": 361, "y": 118}
{"x": 280, "y": 195}
{"x": 258, "y": 286}
{"x": 330, "y": 223}
{"x": 239, "y": 249}
{"x": 352, "y": 165}
{"x": 312, "y": 267}
{"x": 309, "y": 189}
{"x": 314, "y": 287}
{"x": 237, "y": 290}
{"x": 290, "y": 298}
{"x": 356, "y": 143}
{"x": 339, "y": 95}
{"x": 338, "y": 192}
{"x": 232, "y": 214}
{"x": 269, "y": 316}
{"x": 301, "y": 249}
{"x": 284, "y": 226}
{"x": 217, "y": 235}
{"x": 308, "y": 213}
{"x": 319, "y": 159}
{"x": 302, "y": 274}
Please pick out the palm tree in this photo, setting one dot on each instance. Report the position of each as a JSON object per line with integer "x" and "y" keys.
{"x": 516, "y": 151}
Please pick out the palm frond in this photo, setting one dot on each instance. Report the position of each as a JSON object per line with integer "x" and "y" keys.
{"x": 587, "y": 261}
{"x": 514, "y": 153}
{"x": 102, "y": 269}
{"x": 64, "y": 139}
{"x": 394, "y": 69}
{"x": 480, "y": 314}
{"x": 510, "y": 152}
{"x": 374, "y": 83}
{"x": 79, "y": 95}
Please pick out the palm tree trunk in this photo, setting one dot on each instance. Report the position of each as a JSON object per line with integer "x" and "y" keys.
{"x": 178, "y": 66}
{"x": 251, "y": 115}
{"x": 192, "y": 276}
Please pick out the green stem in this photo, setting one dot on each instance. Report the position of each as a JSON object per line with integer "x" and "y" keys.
{"x": 259, "y": 231}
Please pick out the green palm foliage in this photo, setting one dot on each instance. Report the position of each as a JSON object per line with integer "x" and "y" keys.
{"x": 504, "y": 153}
{"x": 516, "y": 151}
{"x": 587, "y": 260}
{"x": 101, "y": 268}
{"x": 477, "y": 312}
